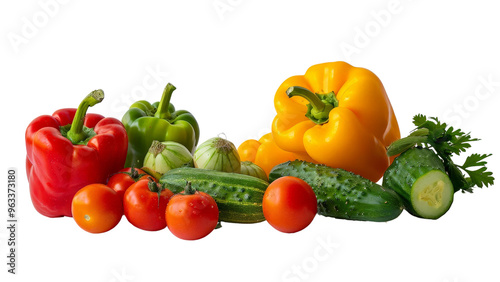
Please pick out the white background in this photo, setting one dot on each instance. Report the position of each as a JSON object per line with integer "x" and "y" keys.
{"x": 227, "y": 58}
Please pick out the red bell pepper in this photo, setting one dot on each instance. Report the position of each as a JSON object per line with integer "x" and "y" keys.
{"x": 69, "y": 150}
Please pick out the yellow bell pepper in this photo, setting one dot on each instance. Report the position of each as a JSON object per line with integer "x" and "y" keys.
{"x": 339, "y": 115}
{"x": 266, "y": 154}
{"x": 248, "y": 150}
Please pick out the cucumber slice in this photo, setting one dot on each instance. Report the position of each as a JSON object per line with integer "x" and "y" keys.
{"x": 419, "y": 178}
{"x": 432, "y": 194}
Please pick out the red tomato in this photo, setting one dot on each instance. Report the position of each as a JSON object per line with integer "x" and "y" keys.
{"x": 97, "y": 208}
{"x": 143, "y": 208}
{"x": 289, "y": 204}
{"x": 121, "y": 180}
{"x": 191, "y": 215}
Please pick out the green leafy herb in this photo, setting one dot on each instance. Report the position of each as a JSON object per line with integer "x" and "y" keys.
{"x": 446, "y": 142}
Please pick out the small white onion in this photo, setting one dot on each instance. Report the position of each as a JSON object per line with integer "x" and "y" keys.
{"x": 249, "y": 168}
{"x": 167, "y": 155}
{"x": 217, "y": 154}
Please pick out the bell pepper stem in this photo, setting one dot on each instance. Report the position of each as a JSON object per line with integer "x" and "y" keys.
{"x": 162, "y": 111}
{"x": 306, "y": 94}
{"x": 319, "y": 106}
{"x": 76, "y": 133}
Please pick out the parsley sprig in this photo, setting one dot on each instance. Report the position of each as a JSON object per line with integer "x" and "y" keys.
{"x": 446, "y": 142}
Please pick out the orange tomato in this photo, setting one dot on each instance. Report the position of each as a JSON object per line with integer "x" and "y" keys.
{"x": 97, "y": 208}
{"x": 289, "y": 204}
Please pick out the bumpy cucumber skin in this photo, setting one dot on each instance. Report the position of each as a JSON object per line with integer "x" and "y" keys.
{"x": 238, "y": 196}
{"x": 406, "y": 169}
{"x": 342, "y": 194}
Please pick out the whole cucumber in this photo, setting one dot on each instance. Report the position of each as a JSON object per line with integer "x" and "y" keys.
{"x": 343, "y": 194}
{"x": 238, "y": 196}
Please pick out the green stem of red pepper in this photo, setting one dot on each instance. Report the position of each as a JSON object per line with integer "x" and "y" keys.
{"x": 76, "y": 134}
{"x": 162, "y": 111}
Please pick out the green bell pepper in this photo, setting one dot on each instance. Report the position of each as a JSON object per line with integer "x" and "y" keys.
{"x": 160, "y": 121}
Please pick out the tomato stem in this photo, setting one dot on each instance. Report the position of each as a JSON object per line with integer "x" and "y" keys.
{"x": 134, "y": 174}
{"x": 189, "y": 190}
{"x": 153, "y": 186}
{"x": 156, "y": 188}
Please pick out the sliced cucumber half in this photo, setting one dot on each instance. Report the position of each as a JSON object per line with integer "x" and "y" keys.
{"x": 432, "y": 194}
{"x": 419, "y": 178}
